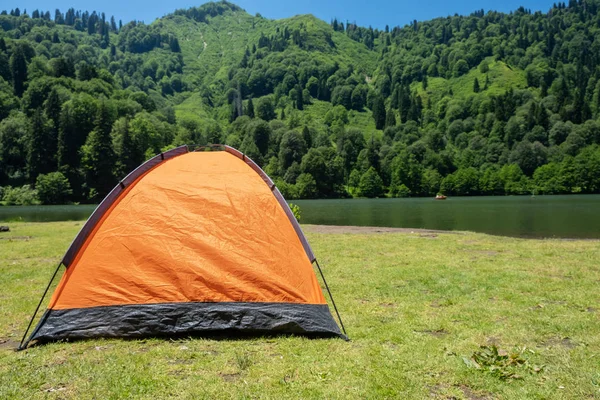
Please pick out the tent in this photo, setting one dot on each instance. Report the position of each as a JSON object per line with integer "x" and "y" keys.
{"x": 191, "y": 242}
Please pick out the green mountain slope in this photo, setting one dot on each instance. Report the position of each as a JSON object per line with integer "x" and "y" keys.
{"x": 488, "y": 103}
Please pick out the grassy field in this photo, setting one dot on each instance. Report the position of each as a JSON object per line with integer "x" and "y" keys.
{"x": 418, "y": 308}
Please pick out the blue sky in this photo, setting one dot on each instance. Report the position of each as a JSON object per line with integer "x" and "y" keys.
{"x": 377, "y": 13}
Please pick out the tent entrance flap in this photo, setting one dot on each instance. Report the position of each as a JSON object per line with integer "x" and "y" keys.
{"x": 190, "y": 242}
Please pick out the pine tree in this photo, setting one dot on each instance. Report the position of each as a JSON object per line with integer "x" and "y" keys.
{"x": 476, "y": 88}
{"x": 250, "y": 109}
{"x": 299, "y": 99}
{"x": 307, "y": 137}
{"x": 390, "y": 119}
{"x": 425, "y": 82}
{"x": 38, "y": 156}
{"x": 531, "y": 115}
{"x": 52, "y": 109}
{"x": 66, "y": 149}
{"x": 124, "y": 148}
{"x": 18, "y": 70}
{"x": 542, "y": 117}
{"x": 174, "y": 44}
{"x": 379, "y": 112}
{"x": 98, "y": 155}
{"x": 404, "y": 102}
{"x": 415, "y": 109}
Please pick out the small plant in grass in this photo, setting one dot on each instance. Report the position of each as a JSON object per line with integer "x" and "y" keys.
{"x": 501, "y": 364}
{"x": 243, "y": 361}
{"x": 295, "y": 210}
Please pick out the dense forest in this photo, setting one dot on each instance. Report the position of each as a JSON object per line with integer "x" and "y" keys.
{"x": 485, "y": 104}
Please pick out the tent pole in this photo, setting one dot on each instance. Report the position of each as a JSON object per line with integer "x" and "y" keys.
{"x": 331, "y": 297}
{"x": 38, "y": 307}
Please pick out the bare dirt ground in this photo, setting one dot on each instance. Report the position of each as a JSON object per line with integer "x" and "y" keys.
{"x": 366, "y": 230}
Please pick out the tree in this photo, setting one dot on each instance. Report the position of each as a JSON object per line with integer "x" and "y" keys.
{"x": 52, "y": 110}
{"x": 406, "y": 171}
{"x": 14, "y": 132}
{"x": 515, "y": 182}
{"x": 306, "y": 135}
{"x": 299, "y": 98}
{"x": 370, "y": 184}
{"x": 291, "y": 149}
{"x": 306, "y": 186}
{"x": 342, "y": 95}
{"x": 265, "y": 109}
{"x": 260, "y": 133}
{"x": 18, "y": 69}
{"x": 461, "y": 67}
{"x": 98, "y": 155}
{"x": 476, "y": 88}
{"x": 528, "y": 156}
{"x": 349, "y": 146}
{"x": 124, "y": 148}
{"x": 379, "y": 113}
{"x": 53, "y": 188}
{"x": 546, "y": 179}
{"x": 359, "y": 97}
{"x": 390, "y": 119}
{"x": 250, "y": 109}
{"x": 39, "y": 159}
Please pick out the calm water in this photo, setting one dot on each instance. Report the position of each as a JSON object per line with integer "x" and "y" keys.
{"x": 45, "y": 213}
{"x": 541, "y": 216}
{"x": 571, "y": 216}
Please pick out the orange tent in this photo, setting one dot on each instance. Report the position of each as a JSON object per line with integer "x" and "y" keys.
{"x": 191, "y": 242}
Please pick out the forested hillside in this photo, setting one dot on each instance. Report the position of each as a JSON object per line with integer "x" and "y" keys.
{"x": 489, "y": 103}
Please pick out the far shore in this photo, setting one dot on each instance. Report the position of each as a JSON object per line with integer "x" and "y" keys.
{"x": 363, "y": 230}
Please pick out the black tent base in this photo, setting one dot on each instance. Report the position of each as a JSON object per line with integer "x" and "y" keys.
{"x": 225, "y": 320}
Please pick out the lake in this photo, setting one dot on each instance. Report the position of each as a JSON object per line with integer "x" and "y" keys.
{"x": 571, "y": 216}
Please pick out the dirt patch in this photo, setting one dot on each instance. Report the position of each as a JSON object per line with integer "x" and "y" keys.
{"x": 472, "y": 395}
{"x": 179, "y": 361}
{"x": 494, "y": 340}
{"x": 435, "y": 332}
{"x": 11, "y": 238}
{"x": 486, "y": 252}
{"x": 369, "y": 230}
{"x": 565, "y": 342}
{"x": 59, "y": 388}
{"x": 442, "y": 303}
{"x": 8, "y": 344}
{"x": 437, "y": 390}
{"x": 230, "y": 377}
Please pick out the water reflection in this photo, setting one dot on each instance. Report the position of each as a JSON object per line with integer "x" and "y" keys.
{"x": 543, "y": 216}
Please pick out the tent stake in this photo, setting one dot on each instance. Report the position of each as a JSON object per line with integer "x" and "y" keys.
{"x": 331, "y": 297}
{"x": 38, "y": 307}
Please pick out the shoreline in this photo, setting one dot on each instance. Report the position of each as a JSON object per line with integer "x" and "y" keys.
{"x": 362, "y": 230}
{"x": 359, "y": 230}
{"x": 373, "y": 230}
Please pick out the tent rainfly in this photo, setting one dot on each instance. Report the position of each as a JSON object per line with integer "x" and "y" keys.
{"x": 193, "y": 242}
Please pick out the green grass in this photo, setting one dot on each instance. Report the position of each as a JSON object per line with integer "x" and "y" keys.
{"x": 501, "y": 77}
{"x": 417, "y": 307}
